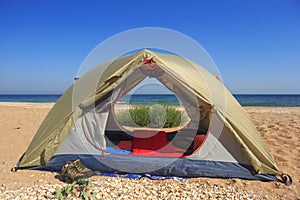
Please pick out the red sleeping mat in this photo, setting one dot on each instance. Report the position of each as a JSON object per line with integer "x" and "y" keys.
{"x": 144, "y": 152}
{"x": 153, "y": 143}
{"x": 126, "y": 145}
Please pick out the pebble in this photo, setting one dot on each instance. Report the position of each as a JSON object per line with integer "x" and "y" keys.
{"x": 125, "y": 188}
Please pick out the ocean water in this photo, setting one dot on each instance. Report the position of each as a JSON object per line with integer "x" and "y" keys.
{"x": 275, "y": 100}
{"x": 150, "y": 99}
{"x": 243, "y": 99}
{"x": 168, "y": 99}
{"x": 34, "y": 98}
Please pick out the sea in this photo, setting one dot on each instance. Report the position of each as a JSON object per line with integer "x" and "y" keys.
{"x": 274, "y": 100}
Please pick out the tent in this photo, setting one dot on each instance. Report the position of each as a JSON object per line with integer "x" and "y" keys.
{"x": 81, "y": 125}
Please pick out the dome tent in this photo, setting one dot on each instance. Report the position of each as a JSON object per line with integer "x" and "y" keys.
{"x": 80, "y": 128}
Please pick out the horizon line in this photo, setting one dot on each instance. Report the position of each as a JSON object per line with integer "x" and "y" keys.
{"x": 153, "y": 94}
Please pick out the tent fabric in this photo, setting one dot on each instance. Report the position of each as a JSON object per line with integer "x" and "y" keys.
{"x": 163, "y": 166}
{"x": 94, "y": 131}
{"x": 101, "y": 83}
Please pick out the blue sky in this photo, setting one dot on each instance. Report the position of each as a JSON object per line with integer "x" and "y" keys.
{"x": 255, "y": 44}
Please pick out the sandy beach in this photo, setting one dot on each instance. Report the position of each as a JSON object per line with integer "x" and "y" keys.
{"x": 278, "y": 126}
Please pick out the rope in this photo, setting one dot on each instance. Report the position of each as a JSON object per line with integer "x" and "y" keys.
{"x": 285, "y": 178}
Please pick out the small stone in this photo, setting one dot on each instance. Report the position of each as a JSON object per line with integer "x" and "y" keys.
{"x": 277, "y": 185}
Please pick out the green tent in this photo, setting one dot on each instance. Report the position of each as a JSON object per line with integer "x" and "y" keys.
{"x": 81, "y": 125}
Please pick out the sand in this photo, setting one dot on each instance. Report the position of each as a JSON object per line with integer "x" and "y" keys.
{"x": 279, "y": 128}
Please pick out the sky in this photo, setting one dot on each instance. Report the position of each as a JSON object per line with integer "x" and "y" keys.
{"x": 254, "y": 43}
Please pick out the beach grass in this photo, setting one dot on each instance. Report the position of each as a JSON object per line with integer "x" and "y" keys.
{"x": 155, "y": 116}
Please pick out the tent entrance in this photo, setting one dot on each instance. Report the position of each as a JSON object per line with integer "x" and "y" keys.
{"x": 152, "y": 114}
{"x": 98, "y": 129}
{"x": 128, "y": 131}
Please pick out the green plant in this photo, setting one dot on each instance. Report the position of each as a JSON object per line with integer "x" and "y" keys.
{"x": 140, "y": 115}
{"x": 175, "y": 117}
{"x": 78, "y": 188}
{"x": 124, "y": 118}
{"x": 156, "y": 116}
{"x": 64, "y": 192}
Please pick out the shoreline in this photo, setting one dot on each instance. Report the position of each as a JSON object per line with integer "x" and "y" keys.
{"x": 27, "y": 104}
{"x": 248, "y": 109}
